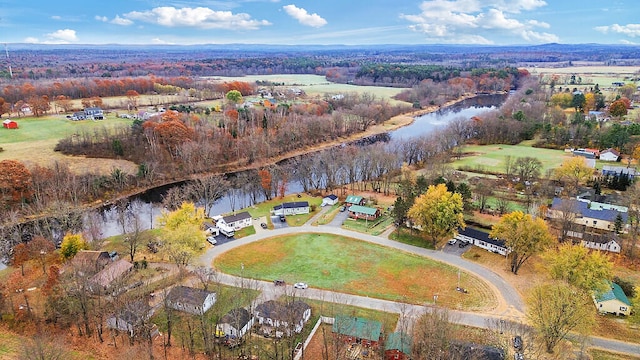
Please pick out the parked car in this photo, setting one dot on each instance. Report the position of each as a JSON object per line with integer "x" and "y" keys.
{"x": 517, "y": 342}
{"x": 463, "y": 244}
{"x": 452, "y": 241}
{"x": 278, "y": 282}
{"x": 282, "y": 218}
{"x": 212, "y": 240}
{"x": 343, "y": 208}
{"x": 263, "y": 225}
{"x": 300, "y": 285}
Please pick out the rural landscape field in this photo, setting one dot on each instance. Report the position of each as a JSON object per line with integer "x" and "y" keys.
{"x": 266, "y": 181}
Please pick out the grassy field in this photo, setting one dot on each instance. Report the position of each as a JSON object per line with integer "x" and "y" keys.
{"x": 492, "y": 157}
{"x": 352, "y": 266}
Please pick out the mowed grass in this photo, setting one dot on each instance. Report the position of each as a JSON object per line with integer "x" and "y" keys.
{"x": 493, "y": 157}
{"x": 351, "y": 266}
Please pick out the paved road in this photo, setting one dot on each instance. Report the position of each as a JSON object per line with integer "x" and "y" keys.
{"x": 512, "y": 307}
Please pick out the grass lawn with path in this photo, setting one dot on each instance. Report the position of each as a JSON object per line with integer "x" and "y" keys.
{"x": 351, "y": 266}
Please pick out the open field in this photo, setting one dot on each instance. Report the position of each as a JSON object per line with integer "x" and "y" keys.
{"x": 492, "y": 157}
{"x": 316, "y": 85}
{"x": 352, "y": 266}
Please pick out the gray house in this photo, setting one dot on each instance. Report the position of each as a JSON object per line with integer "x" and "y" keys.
{"x": 191, "y": 300}
{"x": 235, "y": 323}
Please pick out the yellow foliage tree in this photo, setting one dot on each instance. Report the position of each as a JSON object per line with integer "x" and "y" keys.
{"x": 438, "y": 212}
{"x": 580, "y": 267}
{"x": 182, "y": 233}
{"x": 574, "y": 172}
{"x": 71, "y": 245}
{"x": 524, "y": 235}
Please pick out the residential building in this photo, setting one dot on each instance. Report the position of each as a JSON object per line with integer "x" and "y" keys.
{"x": 354, "y": 200}
{"x": 609, "y": 170}
{"x": 190, "y": 300}
{"x": 282, "y": 319}
{"x": 110, "y": 274}
{"x": 238, "y": 221}
{"x": 133, "y": 318}
{"x": 603, "y": 242}
{"x": 363, "y": 212}
{"x": 483, "y": 240}
{"x": 612, "y": 301}
{"x": 292, "y": 208}
{"x": 609, "y": 155}
{"x": 235, "y": 323}
{"x": 353, "y": 329}
{"x": 397, "y": 346}
{"x": 94, "y": 113}
{"x": 330, "y": 199}
{"x": 601, "y": 219}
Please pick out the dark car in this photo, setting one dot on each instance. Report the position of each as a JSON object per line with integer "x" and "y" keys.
{"x": 278, "y": 282}
{"x": 517, "y": 343}
{"x": 462, "y": 244}
{"x": 263, "y": 225}
{"x": 282, "y": 218}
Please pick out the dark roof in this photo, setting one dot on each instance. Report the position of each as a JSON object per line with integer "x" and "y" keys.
{"x": 134, "y": 312}
{"x": 357, "y": 327}
{"x": 609, "y": 169}
{"x": 460, "y": 350}
{"x": 332, "y": 196}
{"x": 398, "y": 341}
{"x": 481, "y": 235}
{"x": 275, "y": 310}
{"x": 582, "y": 208}
{"x": 90, "y": 259}
{"x": 187, "y": 295}
{"x": 238, "y": 318}
{"x": 237, "y": 217}
{"x": 597, "y": 238}
{"x": 292, "y": 205}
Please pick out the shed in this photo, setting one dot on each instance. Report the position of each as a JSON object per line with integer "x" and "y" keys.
{"x": 612, "y": 301}
{"x": 9, "y": 124}
{"x": 330, "y": 199}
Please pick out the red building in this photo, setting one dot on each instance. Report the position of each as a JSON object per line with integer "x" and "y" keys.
{"x": 10, "y": 124}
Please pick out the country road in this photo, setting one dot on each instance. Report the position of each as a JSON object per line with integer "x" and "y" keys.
{"x": 511, "y": 306}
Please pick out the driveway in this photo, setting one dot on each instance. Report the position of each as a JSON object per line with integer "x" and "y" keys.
{"x": 339, "y": 219}
{"x": 277, "y": 224}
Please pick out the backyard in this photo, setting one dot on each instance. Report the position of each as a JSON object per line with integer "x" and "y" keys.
{"x": 351, "y": 266}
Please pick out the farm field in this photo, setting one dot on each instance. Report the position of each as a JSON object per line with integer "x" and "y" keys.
{"x": 357, "y": 267}
{"x": 492, "y": 157}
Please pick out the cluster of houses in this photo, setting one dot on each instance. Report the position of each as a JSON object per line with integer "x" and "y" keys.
{"x": 105, "y": 273}
{"x": 90, "y": 113}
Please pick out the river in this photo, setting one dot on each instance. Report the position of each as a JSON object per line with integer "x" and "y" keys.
{"x": 422, "y": 125}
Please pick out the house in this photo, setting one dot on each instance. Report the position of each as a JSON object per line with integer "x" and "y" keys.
{"x": 602, "y": 219}
{"x": 602, "y": 242}
{"x": 330, "y": 199}
{"x": 78, "y": 115}
{"x": 397, "y": 346}
{"x": 235, "y": 323}
{"x": 354, "y": 200}
{"x": 94, "y": 113}
{"x": 113, "y": 271}
{"x": 481, "y": 239}
{"x": 609, "y": 155}
{"x": 133, "y": 319}
{"x": 363, "y": 212}
{"x": 353, "y": 329}
{"x": 190, "y": 300}
{"x": 587, "y": 153}
{"x": 612, "y": 301}
{"x": 90, "y": 261}
{"x": 238, "y": 221}
{"x": 608, "y": 170}
{"x": 281, "y": 318}
{"x": 292, "y": 208}
{"x": 9, "y": 124}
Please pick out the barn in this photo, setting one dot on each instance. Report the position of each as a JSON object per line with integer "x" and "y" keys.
{"x": 9, "y": 124}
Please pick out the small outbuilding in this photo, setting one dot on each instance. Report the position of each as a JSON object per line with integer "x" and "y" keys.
{"x": 330, "y": 199}
{"x": 612, "y": 301}
{"x": 9, "y": 124}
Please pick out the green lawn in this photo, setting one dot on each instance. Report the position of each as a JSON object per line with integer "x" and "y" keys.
{"x": 492, "y": 157}
{"x": 357, "y": 267}
{"x": 375, "y": 227}
{"x": 264, "y": 208}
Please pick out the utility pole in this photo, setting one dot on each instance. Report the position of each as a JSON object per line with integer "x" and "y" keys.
{"x": 6, "y": 51}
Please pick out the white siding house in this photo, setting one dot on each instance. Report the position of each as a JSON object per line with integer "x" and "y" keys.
{"x": 613, "y": 301}
{"x": 238, "y": 221}
{"x": 235, "y": 323}
{"x": 481, "y": 239}
{"x": 609, "y": 155}
{"x": 292, "y": 208}
{"x": 330, "y": 199}
{"x": 283, "y": 319}
{"x": 191, "y": 300}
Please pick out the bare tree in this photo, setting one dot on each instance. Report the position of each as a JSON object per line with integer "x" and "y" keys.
{"x": 43, "y": 347}
{"x": 208, "y": 190}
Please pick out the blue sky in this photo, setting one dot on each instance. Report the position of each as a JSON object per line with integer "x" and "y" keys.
{"x": 323, "y": 22}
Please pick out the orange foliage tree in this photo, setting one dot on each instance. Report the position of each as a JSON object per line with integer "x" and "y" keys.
{"x": 265, "y": 182}
{"x": 15, "y": 182}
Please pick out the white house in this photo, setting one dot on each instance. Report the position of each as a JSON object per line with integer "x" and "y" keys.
{"x": 190, "y": 300}
{"x": 613, "y": 301}
{"x": 283, "y": 319}
{"x": 602, "y": 242}
{"x": 330, "y": 199}
{"x": 481, "y": 239}
{"x": 609, "y": 155}
{"x": 238, "y": 221}
{"x": 94, "y": 113}
{"x": 292, "y": 208}
{"x": 235, "y": 323}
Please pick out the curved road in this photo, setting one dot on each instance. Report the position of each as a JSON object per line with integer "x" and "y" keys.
{"x": 511, "y": 306}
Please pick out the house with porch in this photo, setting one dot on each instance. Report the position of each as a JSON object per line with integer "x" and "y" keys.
{"x": 235, "y": 323}
{"x": 612, "y": 301}
{"x": 351, "y": 329}
{"x": 363, "y": 212}
{"x": 602, "y": 242}
{"x": 354, "y": 200}
{"x": 282, "y": 319}
{"x": 292, "y": 208}
{"x": 190, "y": 300}
{"x": 237, "y": 221}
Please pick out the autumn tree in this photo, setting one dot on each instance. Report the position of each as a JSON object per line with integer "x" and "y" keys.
{"x": 577, "y": 265}
{"x": 182, "y": 233}
{"x": 39, "y": 105}
{"x": 618, "y": 108}
{"x": 438, "y": 212}
{"x": 15, "y": 182}
{"x": 265, "y": 182}
{"x": 64, "y": 103}
{"x": 574, "y": 172}
{"x": 234, "y": 96}
{"x": 71, "y": 245}
{"x": 133, "y": 98}
{"x": 524, "y": 236}
{"x": 556, "y": 309}
{"x": 527, "y": 168}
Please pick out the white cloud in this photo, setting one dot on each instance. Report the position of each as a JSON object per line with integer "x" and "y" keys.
{"x": 477, "y": 22}
{"x": 121, "y": 21}
{"x": 632, "y": 30}
{"x": 101, "y": 18}
{"x": 159, "y": 41}
{"x": 56, "y": 17}
{"x": 303, "y": 17}
{"x": 200, "y": 17}
{"x": 62, "y": 36}
{"x": 31, "y": 40}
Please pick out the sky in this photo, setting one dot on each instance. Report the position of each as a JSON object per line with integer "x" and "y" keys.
{"x": 320, "y": 22}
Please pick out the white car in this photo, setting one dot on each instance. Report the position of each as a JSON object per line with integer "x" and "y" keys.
{"x": 212, "y": 240}
{"x": 300, "y": 285}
